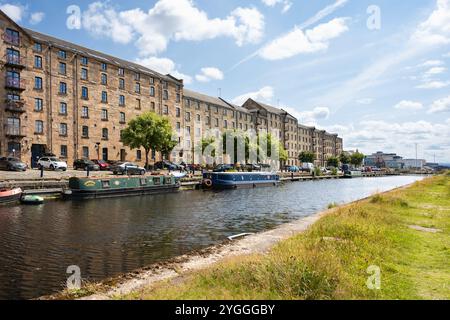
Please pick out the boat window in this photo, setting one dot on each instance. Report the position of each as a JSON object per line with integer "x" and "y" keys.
{"x": 143, "y": 182}
{"x": 168, "y": 180}
{"x": 106, "y": 184}
{"x": 156, "y": 181}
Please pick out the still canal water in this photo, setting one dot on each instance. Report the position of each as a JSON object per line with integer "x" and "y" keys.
{"x": 112, "y": 236}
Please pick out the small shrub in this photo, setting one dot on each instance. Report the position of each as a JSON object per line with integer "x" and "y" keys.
{"x": 332, "y": 205}
{"x": 378, "y": 198}
{"x": 317, "y": 172}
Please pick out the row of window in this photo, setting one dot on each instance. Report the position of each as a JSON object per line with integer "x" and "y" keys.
{"x": 38, "y": 85}
{"x": 62, "y": 69}
{"x": 63, "y": 128}
{"x": 38, "y": 106}
{"x": 86, "y": 155}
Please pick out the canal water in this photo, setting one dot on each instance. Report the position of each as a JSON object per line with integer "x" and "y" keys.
{"x": 112, "y": 236}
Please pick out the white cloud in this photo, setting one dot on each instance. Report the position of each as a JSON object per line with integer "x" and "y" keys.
{"x": 298, "y": 41}
{"x": 287, "y": 4}
{"x": 311, "y": 117}
{"x": 164, "y": 66}
{"x": 36, "y": 17}
{"x": 408, "y": 105}
{"x": 171, "y": 20}
{"x": 209, "y": 73}
{"x": 433, "y": 84}
{"x": 264, "y": 94}
{"x": 441, "y": 105}
{"x": 436, "y": 29}
{"x": 15, "y": 12}
{"x": 435, "y": 70}
{"x": 431, "y": 63}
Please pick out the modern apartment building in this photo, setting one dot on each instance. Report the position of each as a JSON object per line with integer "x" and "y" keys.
{"x": 73, "y": 102}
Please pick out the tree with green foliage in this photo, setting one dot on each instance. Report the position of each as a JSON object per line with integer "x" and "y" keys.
{"x": 357, "y": 159}
{"x": 150, "y": 132}
{"x": 272, "y": 144}
{"x": 333, "y": 162}
{"x": 344, "y": 158}
{"x": 307, "y": 157}
{"x": 208, "y": 142}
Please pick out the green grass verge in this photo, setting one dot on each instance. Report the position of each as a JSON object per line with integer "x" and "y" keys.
{"x": 331, "y": 259}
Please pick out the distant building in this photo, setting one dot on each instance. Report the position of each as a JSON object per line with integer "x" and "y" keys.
{"x": 414, "y": 163}
{"x": 384, "y": 160}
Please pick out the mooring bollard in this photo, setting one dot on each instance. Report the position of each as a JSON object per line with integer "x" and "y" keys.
{"x": 87, "y": 171}
{"x": 42, "y": 171}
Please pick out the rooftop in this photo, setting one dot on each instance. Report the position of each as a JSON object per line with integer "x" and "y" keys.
{"x": 65, "y": 45}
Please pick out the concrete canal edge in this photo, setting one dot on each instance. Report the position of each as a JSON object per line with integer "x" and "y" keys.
{"x": 178, "y": 267}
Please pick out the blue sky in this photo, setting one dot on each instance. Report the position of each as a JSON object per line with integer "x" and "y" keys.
{"x": 376, "y": 72}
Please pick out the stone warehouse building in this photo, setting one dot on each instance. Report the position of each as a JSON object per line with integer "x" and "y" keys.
{"x": 206, "y": 113}
{"x": 74, "y": 102}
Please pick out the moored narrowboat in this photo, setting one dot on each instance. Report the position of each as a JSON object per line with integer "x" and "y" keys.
{"x": 10, "y": 195}
{"x": 353, "y": 174}
{"x": 97, "y": 188}
{"x": 235, "y": 180}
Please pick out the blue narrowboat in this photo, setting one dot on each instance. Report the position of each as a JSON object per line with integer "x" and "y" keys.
{"x": 234, "y": 180}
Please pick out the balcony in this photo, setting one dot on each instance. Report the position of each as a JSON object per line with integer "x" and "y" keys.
{"x": 15, "y": 84}
{"x": 11, "y": 39}
{"x": 16, "y": 106}
{"x": 14, "y": 61}
{"x": 13, "y": 131}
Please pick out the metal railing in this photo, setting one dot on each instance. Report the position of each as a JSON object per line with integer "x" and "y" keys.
{"x": 11, "y": 39}
{"x": 13, "y": 131}
{"x": 14, "y": 60}
{"x": 15, "y": 83}
{"x": 15, "y": 105}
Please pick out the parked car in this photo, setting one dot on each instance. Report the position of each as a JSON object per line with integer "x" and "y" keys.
{"x": 223, "y": 168}
{"x": 128, "y": 168}
{"x": 85, "y": 165}
{"x": 307, "y": 167}
{"x": 192, "y": 167}
{"x": 252, "y": 167}
{"x": 167, "y": 165}
{"x": 12, "y": 164}
{"x": 103, "y": 165}
{"x": 52, "y": 163}
{"x": 292, "y": 169}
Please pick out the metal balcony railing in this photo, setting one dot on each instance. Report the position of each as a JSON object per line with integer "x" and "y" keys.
{"x": 11, "y": 39}
{"x": 15, "y": 83}
{"x": 13, "y": 131}
{"x": 14, "y": 61}
{"x": 15, "y": 105}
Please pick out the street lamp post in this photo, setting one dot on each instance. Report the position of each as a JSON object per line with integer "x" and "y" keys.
{"x": 97, "y": 147}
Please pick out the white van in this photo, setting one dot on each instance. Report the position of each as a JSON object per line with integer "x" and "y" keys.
{"x": 307, "y": 167}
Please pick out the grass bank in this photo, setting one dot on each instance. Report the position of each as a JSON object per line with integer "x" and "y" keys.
{"x": 406, "y": 233}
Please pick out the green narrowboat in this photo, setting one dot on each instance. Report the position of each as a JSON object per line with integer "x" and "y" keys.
{"x": 97, "y": 188}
